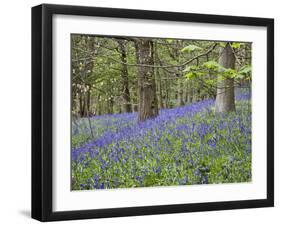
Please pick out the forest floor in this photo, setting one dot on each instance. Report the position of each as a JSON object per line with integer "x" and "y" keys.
{"x": 181, "y": 146}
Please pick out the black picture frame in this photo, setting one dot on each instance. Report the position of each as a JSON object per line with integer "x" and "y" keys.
{"x": 42, "y": 111}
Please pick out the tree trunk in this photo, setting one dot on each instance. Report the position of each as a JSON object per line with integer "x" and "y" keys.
{"x": 225, "y": 101}
{"x": 148, "y": 106}
{"x": 180, "y": 93}
{"x": 194, "y": 92}
{"x": 167, "y": 96}
{"x": 127, "y": 107}
{"x": 110, "y": 104}
{"x": 99, "y": 110}
{"x": 177, "y": 58}
{"x": 160, "y": 91}
{"x": 82, "y": 105}
{"x": 89, "y": 112}
{"x": 158, "y": 77}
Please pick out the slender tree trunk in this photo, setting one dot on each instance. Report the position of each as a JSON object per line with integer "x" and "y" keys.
{"x": 194, "y": 92}
{"x": 167, "y": 94}
{"x": 127, "y": 107}
{"x": 158, "y": 77}
{"x": 177, "y": 57}
{"x": 110, "y": 104}
{"x": 225, "y": 101}
{"x": 180, "y": 93}
{"x": 159, "y": 88}
{"x": 199, "y": 98}
{"x": 148, "y": 106}
{"x": 89, "y": 102}
{"x": 82, "y": 105}
{"x": 160, "y": 91}
{"x": 187, "y": 92}
{"x": 135, "y": 95}
{"x": 99, "y": 107}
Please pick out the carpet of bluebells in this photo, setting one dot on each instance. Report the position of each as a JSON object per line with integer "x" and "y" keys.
{"x": 182, "y": 146}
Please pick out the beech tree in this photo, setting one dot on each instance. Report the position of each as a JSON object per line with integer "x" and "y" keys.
{"x": 148, "y": 106}
{"x": 225, "y": 101}
{"x": 113, "y": 75}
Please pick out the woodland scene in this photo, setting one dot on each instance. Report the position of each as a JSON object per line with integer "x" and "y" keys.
{"x": 159, "y": 112}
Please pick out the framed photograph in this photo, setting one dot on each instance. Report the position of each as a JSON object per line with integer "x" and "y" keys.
{"x": 146, "y": 112}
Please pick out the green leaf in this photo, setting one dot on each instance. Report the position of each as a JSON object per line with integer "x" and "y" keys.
{"x": 191, "y": 68}
{"x": 245, "y": 72}
{"x": 236, "y": 45}
{"x": 210, "y": 82}
{"x": 213, "y": 65}
{"x": 190, "y": 75}
{"x": 230, "y": 73}
{"x": 222, "y": 44}
{"x": 221, "y": 78}
{"x": 240, "y": 76}
{"x": 169, "y": 40}
{"x": 193, "y": 74}
{"x": 191, "y": 48}
{"x": 245, "y": 69}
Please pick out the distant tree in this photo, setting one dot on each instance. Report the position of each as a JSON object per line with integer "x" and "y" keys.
{"x": 124, "y": 76}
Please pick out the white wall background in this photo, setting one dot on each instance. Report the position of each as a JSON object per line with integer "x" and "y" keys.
{"x": 15, "y": 113}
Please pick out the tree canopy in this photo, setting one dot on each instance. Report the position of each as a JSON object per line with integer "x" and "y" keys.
{"x": 124, "y": 74}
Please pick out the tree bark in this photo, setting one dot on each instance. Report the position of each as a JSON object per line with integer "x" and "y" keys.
{"x": 161, "y": 105}
{"x": 180, "y": 93}
{"x": 177, "y": 57}
{"x": 81, "y": 106}
{"x": 167, "y": 94}
{"x": 148, "y": 106}
{"x": 127, "y": 107}
{"x": 225, "y": 101}
{"x": 110, "y": 104}
{"x": 88, "y": 103}
{"x": 158, "y": 77}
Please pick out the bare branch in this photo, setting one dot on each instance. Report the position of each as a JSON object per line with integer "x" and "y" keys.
{"x": 168, "y": 66}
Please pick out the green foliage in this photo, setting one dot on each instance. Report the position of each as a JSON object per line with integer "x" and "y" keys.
{"x": 229, "y": 73}
{"x": 193, "y": 74}
{"x": 191, "y": 68}
{"x": 212, "y": 65}
{"x": 235, "y": 45}
{"x": 218, "y": 148}
{"x": 189, "y": 147}
{"x": 169, "y": 40}
{"x": 210, "y": 82}
{"x": 245, "y": 72}
{"x": 222, "y": 44}
{"x": 190, "y": 48}
{"x": 78, "y": 140}
{"x": 96, "y": 68}
{"x": 246, "y": 69}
